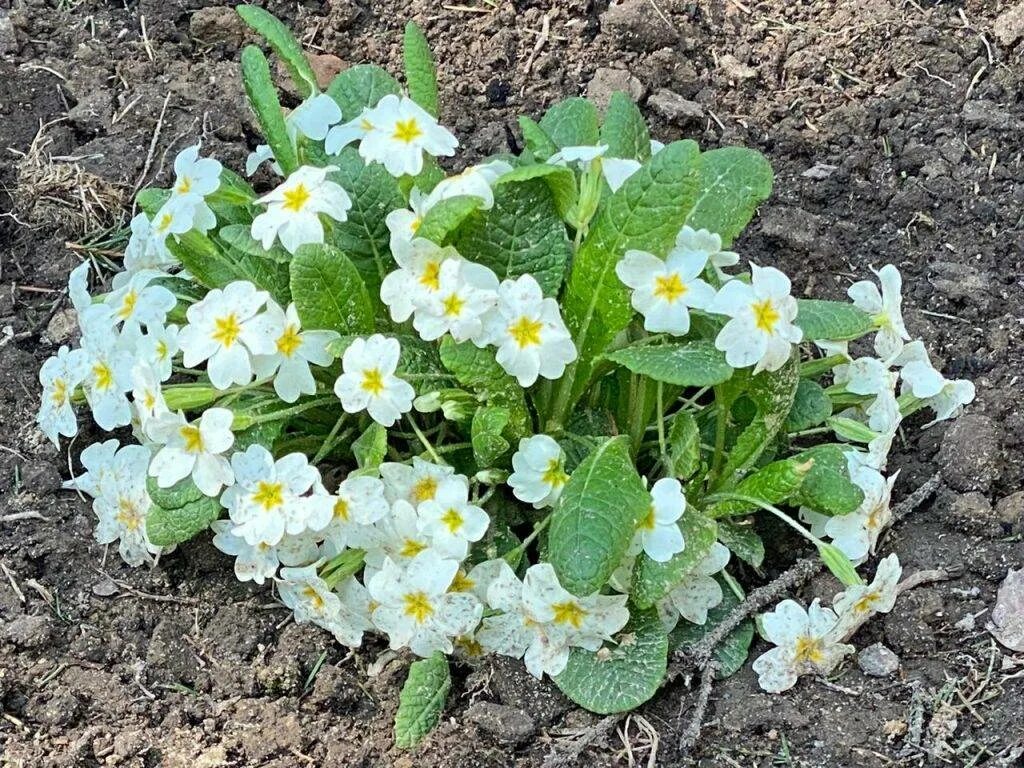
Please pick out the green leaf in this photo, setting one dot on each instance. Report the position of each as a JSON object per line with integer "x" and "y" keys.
{"x": 831, "y": 320}
{"x": 731, "y": 652}
{"x": 839, "y": 564}
{"x": 420, "y": 73}
{"x": 684, "y": 445}
{"x": 571, "y": 123}
{"x": 811, "y": 406}
{"x": 477, "y": 370}
{"x": 772, "y": 484}
{"x": 521, "y": 234}
{"x": 646, "y": 212}
{"x": 624, "y": 130}
{"x": 596, "y": 517}
{"x": 361, "y": 87}
{"x": 262, "y": 434}
{"x": 263, "y": 99}
{"x": 237, "y": 236}
{"x": 743, "y": 541}
{"x": 851, "y": 429}
{"x": 560, "y": 180}
{"x": 733, "y": 182}
{"x": 827, "y": 489}
{"x": 178, "y": 513}
{"x": 422, "y": 700}
{"x": 284, "y": 45}
{"x": 538, "y": 143}
{"x": 370, "y": 448}
{"x": 328, "y": 291}
{"x": 623, "y": 677}
{"x": 653, "y": 580}
{"x": 209, "y": 265}
{"x": 152, "y": 199}
{"x": 447, "y": 216}
{"x": 233, "y": 190}
{"x": 685, "y": 364}
{"x": 486, "y": 435}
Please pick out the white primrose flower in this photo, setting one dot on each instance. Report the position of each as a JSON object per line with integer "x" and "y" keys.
{"x": 60, "y": 375}
{"x": 398, "y": 536}
{"x": 146, "y": 249}
{"x": 260, "y": 562}
{"x": 417, "y": 279}
{"x": 659, "y": 534}
{"x": 194, "y": 175}
{"x": 109, "y": 375}
{"x": 122, "y": 506}
{"x": 313, "y": 118}
{"x": 368, "y": 382}
{"x": 946, "y": 397}
{"x": 415, "y": 483}
{"x": 541, "y": 621}
{"x": 394, "y": 133}
{"x": 581, "y": 155}
{"x": 859, "y": 603}
{"x": 885, "y": 308}
{"x": 100, "y": 468}
{"x": 466, "y": 293}
{"x": 529, "y": 332}
{"x": 700, "y": 241}
{"x": 136, "y": 302}
{"x": 451, "y": 521}
{"x": 807, "y": 641}
{"x": 179, "y": 215}
{"x": 761, "y": 331}
{"x": 474, "y": 181}
{"x": 147, "y": 396}
{"x": 294, "y": 351}
{"x": 358, "y": 503}
{"x": 698, "y": 593}
{"x": 404, "y": 223}
{"x": 415, "y": 608}
{"x": 663, "y": 291}
{"x": 270, "y": 498}
{"x": 538, "y": 471}
{"x": 193, "y": 448}
{"x": 617, "y": 170}
{"x": 225, "y": 329}
{"x": 345, "y": 613}
{"x": 294, "y": 208}
{"x": 614, "y": 169}
{"x": 157, "y": 347}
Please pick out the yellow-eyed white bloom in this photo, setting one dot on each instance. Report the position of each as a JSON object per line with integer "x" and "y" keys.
{"x": 885, "y": 308}
{"x": 451, "y": 520}
{"x": 147, "y": 396}
{"x": 193, "y": 448}
{"x": 345, "y": 613}
{"x": 698, "y": 592}
{"x": 466, "y": 293}
{"x": 358, "y": 503}
{"x": 146, "y": 249}
{"x": 663, "y": 291}
{"x": 418, "y": 277}
{"x": 368, "y": 382}
{"x": 414, "y": 607}
{"x": 415, "y": 483}
{"x": 157, "y": 348}
{"x": 138, "y": 302}
{"x": 122, "y": 506}
{"x": 538, "y": 475}
{"x": 294, "y": 351}
{"x": 659, "y": 534}
{"x": 60, "y": 375}
{"x": 529, "y": 332}
{"x": 761, "y": 331}
{"x": 398, "y": 536}
{"x": 195, "y": 175}
{"x": 109, "y": 375}
{"x": 294, "y": 208}
{"x": 260, "y": 562}
{"x": 860, "y": 602}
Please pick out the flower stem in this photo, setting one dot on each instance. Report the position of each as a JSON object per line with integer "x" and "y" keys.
{"x": 424, "y": 441}
{"x": 329, "y": 441}
{"x": 513, "y": 554}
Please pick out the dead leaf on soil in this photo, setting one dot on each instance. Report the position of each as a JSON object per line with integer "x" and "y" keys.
{"x": 1007, "y": 625}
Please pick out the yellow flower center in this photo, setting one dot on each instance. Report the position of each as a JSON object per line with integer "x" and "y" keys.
{"x": 461, "y": 583}
{"x": 453, "y": 305}
{"x": 373, "y": 381}
{"x": 669, "y": 287}
{"x": 314, "y": 597}
{"x": 570, "y": 613}
{"x": 525, "y": 332}
{"x": 226, "y": 330}
{"x": 452, "y": 519}
{"x": 268, "y": 495}
{"x": 810, "y": 649}
{"x": 424, "y": 489}
{"x": 365, "y": 124}
{"x": 414, "y": 225}
{"x": 103, "y": 377}
{"x": 765, "y": 315}
{"x": 341, "y": 510}
{"x": 161, "y": 350}
{"x": 431, "y": 277}
{"x": 295, "y": 199}
{"x": 184, "y": 186}
{"x": 647, "y": 524}
{"x": 149, "y": 400}
{"x": 874, "y": 520}
{"x": 417, "y": 606}
{"x": 411, "y": 548}
{"x": 289, "y": 341}
{"x": 554, "y": 475}
{"x": 128, "y": 514}
{"x": 407, "y": 131}
{"x": 192, "y": 437}
{"x": 59, "y": 395}
{"x": 165, "y": 222}
{"x": 866, "y": 603}
{"x": 128, "y": 305}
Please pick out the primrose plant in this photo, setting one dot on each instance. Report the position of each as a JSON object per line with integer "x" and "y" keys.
{"x": 536, "y": 408}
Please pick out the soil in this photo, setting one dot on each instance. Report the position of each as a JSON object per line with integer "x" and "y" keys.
{"x": 895, "y": 132}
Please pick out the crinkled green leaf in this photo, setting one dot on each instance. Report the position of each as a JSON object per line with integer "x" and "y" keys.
{"x": 152, "y": 199}
{"x": 537, "y": 142}
{"x": 238, "y": 236}
{"x": 178, "y": 513}
{"x": 831, "y": 320}
{"x": 732, "y": 651}
{"x": 684, "y": 445}
{"x": 233, "y": 190}
{"x": 733, "y": 182}
{"x": 259, "y": 434}
{"x": 212, "y": 267}
{"x": 596, "y": 517}
{"x": 653, "y": 580}
{"x": 685, "y": 364}
{"x": 477, "y": 370}
{"x": 263, "y": 99}
{"x": 285, "y": 46}
{"x": 370, "y": 448}
{"x": 827, "y": 489}
{"x": 422, "y": 700}
{"x": 328, "y": 292}
{"x": 772, "y": 484}
{"x": 619, "y": 678}
{"x": 560, "y": 180}
{"x": 743, "y": 541}
{"x": 361, "y": 87}
{"x": 420, "y": 73}
{"x": 447, "y": 216}
{"x": 646, "y": 212}
{"x": 521, "y": 234}
{"x": 572, "y": 122}
{"x": 624, "y": 131}
{"x": 811, "y": 406}
{"x": 489, "y": 423}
